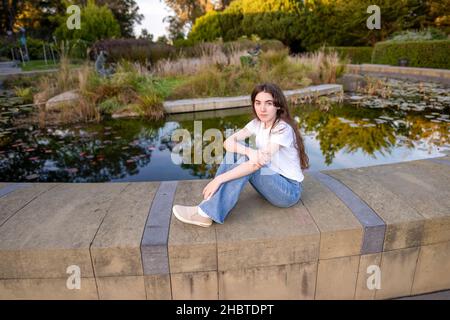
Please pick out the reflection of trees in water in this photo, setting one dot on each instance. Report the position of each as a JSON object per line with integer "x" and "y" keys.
{"x": 87, "y": 154}
{"x": 423, "y": 129}
{"x": 234, "y": 122}
{"x": 117, "y": 148}
{"x": 99, "y": 152}
{"x": 335, "y": 135}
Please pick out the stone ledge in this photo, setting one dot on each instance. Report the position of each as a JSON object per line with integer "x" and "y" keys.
{"x": 127, "y": 245}
{"x": 217, "y": 103}
{"x": 440, "y": 75}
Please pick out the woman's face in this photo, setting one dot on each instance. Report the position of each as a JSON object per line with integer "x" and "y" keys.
{"x": 265, "y": 107}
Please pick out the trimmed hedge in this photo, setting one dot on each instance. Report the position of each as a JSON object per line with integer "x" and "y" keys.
{"x": 356, "y": 55}
{"x": 422, "y": 54}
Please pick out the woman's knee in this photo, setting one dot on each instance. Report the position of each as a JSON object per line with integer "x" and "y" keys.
{"x": 285, "y": 203}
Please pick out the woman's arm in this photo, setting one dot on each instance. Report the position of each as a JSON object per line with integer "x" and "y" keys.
{"x": 231, "y": 144}
{"x": 241, "y": 170}
{"x": 245, "y": 168}
{"x": 263, "y": 156}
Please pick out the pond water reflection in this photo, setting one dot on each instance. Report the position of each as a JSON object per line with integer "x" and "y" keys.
{"x": 137, "y": 150}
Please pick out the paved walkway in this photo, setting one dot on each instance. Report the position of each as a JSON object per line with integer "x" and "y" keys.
{"x": 127, "y": 245}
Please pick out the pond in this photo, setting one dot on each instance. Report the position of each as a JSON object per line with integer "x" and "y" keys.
{"x": 349, "y": 135}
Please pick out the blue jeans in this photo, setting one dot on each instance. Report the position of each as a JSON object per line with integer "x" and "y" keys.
{"x": 279, "y": 190}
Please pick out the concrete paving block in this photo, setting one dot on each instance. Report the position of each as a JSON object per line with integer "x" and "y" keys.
{"x": 55, "y": 231}
{"x": 117, "y": 261}
{"x": 363, "y": 290}
{"x": 424, "y": 190}
{"x": 13, "y": 201}
{"x": 258, "y": 234}
{"x": 374, "y": 226}
{"x": 433, "y": 268}
{"x": 194, "y": 285}
{"x": 397, "y": 273}
{"x": 116, "y": 248}
{"x": 404, "y": 225}
{"x": 121, "y": 288}
{"x": 336, "y": 278}
{"x": 157, "y": 287}
{"x": 294, "y": 281}
{"x": 431, "y": 171}
{"x": 46, "y": 289}
{"x": 191, "y": 248}
{"x": 340, "y": 232}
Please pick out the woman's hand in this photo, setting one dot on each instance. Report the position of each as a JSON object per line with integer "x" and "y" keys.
{"x": 211, "y": 188}
{"x": 259, "y": 156}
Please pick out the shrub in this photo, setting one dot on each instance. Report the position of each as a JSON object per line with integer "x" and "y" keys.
{"x": 35, "y": 49}
{"x": 271, "y": 44}
{"x": 272, "y": 58}
{"x": 418, "y": 35}
{"x": 25, "y": 93}
{"x": 135, "y": 50}
{"x": 356, "y": 55}
{"x": 321, "y": 67}
{"x": 207, "y": 27}
{"x": 278, "y": 19}
{"x": 289, "y": 72}
{"x": 228, "y": 48}
{"x": 425, "y": 54}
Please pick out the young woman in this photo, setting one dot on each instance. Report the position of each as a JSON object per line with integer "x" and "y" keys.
{"x": 274, "y": 169}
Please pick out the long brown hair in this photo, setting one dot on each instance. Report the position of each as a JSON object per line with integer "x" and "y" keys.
{"x": 280, "y": 101}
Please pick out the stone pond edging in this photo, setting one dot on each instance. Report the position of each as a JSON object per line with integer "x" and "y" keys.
{"x": 217, "y": 103}
{"x": 424, "y": 74}
{"x": 127, "y": 245}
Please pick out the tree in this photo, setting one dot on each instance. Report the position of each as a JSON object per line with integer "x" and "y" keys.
{"x": 309, "y": 24}
{"x": 126, "y": 13}
{"x": 97, "y": 23}
{"x": 275, "y": 19}
{"x": 42, "y": 17}
{"x": 187, "y": 11}
{"x": 162, "y": 39}
{"x": 8, "y": 13}
{"x": 146, "y": 35}
{"x": 176, "y": 27}
{"x": 440, "y": 13}
{"x": 37, "y": 17}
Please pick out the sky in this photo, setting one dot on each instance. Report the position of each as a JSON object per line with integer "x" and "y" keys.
{"x": 154, "y": 12}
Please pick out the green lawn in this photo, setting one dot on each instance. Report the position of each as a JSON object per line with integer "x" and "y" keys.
{"x": 40, "y": 65}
